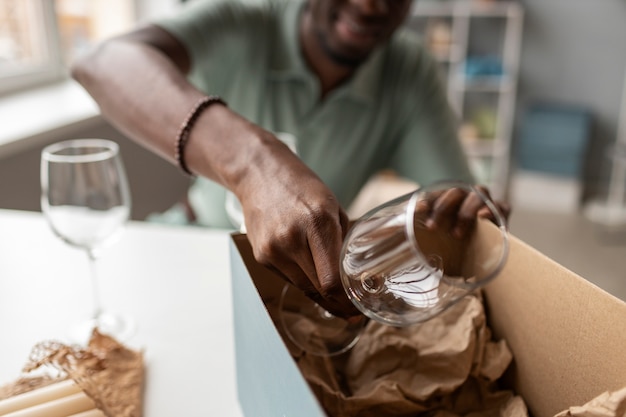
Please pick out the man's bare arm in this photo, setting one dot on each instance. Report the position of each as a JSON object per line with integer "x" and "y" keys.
{"x": 294, "y": 222}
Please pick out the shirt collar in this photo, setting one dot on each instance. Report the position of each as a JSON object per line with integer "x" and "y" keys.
{"x": 288, "y": 63}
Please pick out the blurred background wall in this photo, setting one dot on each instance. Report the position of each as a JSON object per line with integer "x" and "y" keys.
{"x": 573, "y": 53}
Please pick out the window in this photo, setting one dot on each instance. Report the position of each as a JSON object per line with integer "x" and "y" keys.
{"x": 28, "y": 52}
{"x": 38, "y": 38}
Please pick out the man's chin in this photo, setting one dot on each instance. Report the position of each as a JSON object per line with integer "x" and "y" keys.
{"x": 346, "y": 61}
{"x": 349, "y": 59}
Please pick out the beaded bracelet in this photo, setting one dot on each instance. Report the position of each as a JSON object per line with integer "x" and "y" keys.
{"x": 185, "y": 129}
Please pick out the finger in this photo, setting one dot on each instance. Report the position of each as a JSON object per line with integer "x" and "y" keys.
{"x": 444, "y": 210}
{"x": 503, "y": 208}
{"x": 344, "y": 221}
{"x": 424, "y": 206}
{"x": 293, "y": 274}
{"x": 331, "y": 297}
{"x": 316, "y": 257}
{"x": 325, "y": 244}
{"x": 473, "y": 204}
{"x": 277, "y": 254}
{"x": 500, "y": 208}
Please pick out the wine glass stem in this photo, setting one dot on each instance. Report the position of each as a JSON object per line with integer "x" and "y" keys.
{"x": 97, "y": 309}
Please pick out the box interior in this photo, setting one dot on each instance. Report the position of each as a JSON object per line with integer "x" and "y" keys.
{"x": 566, "y": 335}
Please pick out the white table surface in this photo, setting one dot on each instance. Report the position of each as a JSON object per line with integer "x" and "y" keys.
{"x": 175, "y": 283}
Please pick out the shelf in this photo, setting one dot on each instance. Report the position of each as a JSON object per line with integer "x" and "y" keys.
{"x": 476, "y": 80}
{"x": 483, "y": 147}
{"x": 482, "y": 169}
{"x": 453, "y": 56}
{"x": 495, "y": 8}
{"x": 430, "y": 8}
{"x": 495, "y": 84}
{"x": 476, "y": 8}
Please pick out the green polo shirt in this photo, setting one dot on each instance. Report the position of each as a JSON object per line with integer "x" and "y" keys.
{"x": 391, "y": 114}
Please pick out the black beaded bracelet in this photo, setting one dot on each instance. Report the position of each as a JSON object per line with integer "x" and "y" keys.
{"x": 185, "y": 129}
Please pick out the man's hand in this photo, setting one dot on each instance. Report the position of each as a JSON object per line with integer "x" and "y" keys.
{"x": 296, "y": 226}
{"x": 457, "y": 209}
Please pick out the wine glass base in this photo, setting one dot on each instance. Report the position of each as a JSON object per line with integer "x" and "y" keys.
{"x": 119, "y": 327}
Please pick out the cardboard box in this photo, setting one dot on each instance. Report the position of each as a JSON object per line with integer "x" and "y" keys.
{"x": 568, "y": 337}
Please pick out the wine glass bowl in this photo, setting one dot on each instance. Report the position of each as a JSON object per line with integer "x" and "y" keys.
{"x": 406, "y": 261}
{"x": 399, "y": 269}
{"x": 84, "y": 192}
{"x": 86, "y": 200}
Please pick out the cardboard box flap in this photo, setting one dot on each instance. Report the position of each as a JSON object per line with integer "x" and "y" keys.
{"x": 567, "y": 336}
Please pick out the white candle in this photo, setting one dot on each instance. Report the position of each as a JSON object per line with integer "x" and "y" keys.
{"x": 91, "y": 413}
{"x": 61, "y": 407}
{"x": 38, "y": 396}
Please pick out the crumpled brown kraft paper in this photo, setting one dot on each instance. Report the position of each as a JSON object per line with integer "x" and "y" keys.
{"x": 446, "y": 367}
{"x": 111, "y": 374}
{"x": 608, "y": 404}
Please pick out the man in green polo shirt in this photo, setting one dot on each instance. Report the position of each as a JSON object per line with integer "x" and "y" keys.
{"x": 358, "y": 94}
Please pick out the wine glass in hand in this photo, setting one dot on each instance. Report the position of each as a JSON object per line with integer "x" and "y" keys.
{"x": 413, "y": 257}
{"x": 86, "y": 200}
{"x": 406, "y": 261}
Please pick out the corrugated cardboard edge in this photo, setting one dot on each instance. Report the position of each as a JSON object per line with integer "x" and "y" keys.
{"x": 265, "y": 369}
{"x": 568, "y": 336}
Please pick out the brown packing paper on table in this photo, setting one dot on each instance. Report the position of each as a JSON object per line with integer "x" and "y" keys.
{"x": 107, "y": 371}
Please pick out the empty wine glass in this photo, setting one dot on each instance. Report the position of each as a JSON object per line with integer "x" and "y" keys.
{"x": 399, "y": 269}
{"x": 86, "y": 200}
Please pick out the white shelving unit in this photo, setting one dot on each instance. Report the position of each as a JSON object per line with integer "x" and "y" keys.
{"x": 459, "y": 32}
